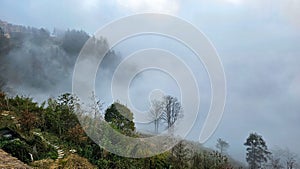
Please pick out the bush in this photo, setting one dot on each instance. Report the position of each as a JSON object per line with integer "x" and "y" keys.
{"x": 18, "y": 149}
{"x": 41, "y": 150}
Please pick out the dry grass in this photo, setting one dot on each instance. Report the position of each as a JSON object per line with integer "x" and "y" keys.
{"x": 7, "y": 161}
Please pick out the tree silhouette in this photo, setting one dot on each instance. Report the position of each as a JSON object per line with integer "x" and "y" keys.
{"x": 155, "y": 113}
{"x": 172, "y": 111}
{"x": 257, "y": 151}
{"x": 222, "y": 145}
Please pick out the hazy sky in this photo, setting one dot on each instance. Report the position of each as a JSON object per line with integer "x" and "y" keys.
{"x": 258, "y": 42}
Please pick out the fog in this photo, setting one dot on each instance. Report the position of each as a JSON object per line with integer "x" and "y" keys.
{"x": 257, "y": 41}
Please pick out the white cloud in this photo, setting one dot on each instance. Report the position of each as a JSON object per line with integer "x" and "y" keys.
{"x": 235, "y": 2}
{"x": 89, "y": 4}
{"x": 291, "y": 10}
{"x": 162, "y": 6}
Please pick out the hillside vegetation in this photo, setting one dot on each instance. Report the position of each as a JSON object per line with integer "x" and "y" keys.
{"x": 43, "y": 129}
{"x": 48, "y": 134}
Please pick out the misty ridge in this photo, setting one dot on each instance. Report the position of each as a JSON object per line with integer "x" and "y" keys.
{"x": 36, "y": 61}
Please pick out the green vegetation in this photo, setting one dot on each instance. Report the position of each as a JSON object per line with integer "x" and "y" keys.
{"x": 39, "y": 128}
{"x": 49, "y": 135}
{"x": 35, "y": 133}
{"x": 121, "y": 122}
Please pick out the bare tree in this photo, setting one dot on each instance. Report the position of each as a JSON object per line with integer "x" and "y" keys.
{"x": 156, "y": 112}
{"x": 172, "y": 111}
{"x": 96, "y": 106}
{"x": 275, "y": 163}
{"x": 283, "y": 157}
{"x": 222, "y": 145}
{"x": 290, "y": 159}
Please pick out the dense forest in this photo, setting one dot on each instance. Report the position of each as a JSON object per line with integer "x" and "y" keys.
{"x": 47, "y": 134}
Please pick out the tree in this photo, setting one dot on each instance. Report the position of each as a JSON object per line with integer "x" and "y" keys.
{"x": 28, "y": 111}
{"x": 275, "y": 163}
{"x": 73, "y": 41}
{"x": 120, "y": 118}
{"x": 172, "y": 110}
{"x": 209, "y": 160}
{"x": 155, "y": 113}
{"x": 60, "y": 114}
{"x": 180, "y": 155}
{"x": 96, "y": 107}
{"x": 28, "y": 121}
{"x": 286, "y": 158}
{"x": 77, "y": 135}
{"x": 283, "y": 158}
{"x": 222, "y": 145}
{"x": 158, "y": 161}
{"x": 257, "y": 151}
{"x": 290, "y": 159}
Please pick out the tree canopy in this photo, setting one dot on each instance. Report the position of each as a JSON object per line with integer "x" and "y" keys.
{"x": 257, "y": 151}
{"x": 120, "y": 118}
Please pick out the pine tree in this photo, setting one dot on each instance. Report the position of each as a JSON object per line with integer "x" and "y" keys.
{"x": 257, "y": 151}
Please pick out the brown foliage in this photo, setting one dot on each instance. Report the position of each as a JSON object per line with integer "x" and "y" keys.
{"x": 77, "y": 134}
{"x": 28, "y": 120}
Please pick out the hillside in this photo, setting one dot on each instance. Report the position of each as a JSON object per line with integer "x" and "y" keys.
{"x": 54, "y": 138}
{"x": 47, "y": 134}
{"x": 35, "y": 61}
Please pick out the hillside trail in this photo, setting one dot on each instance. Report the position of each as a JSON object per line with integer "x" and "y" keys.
{"x": 60, "y": 151}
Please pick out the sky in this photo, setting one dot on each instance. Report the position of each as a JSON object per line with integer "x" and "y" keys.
{"x": 258, "y": 42}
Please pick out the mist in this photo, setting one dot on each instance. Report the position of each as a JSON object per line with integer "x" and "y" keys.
{"x": 257, "y": 41}
{"x": 40, "y": 64}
